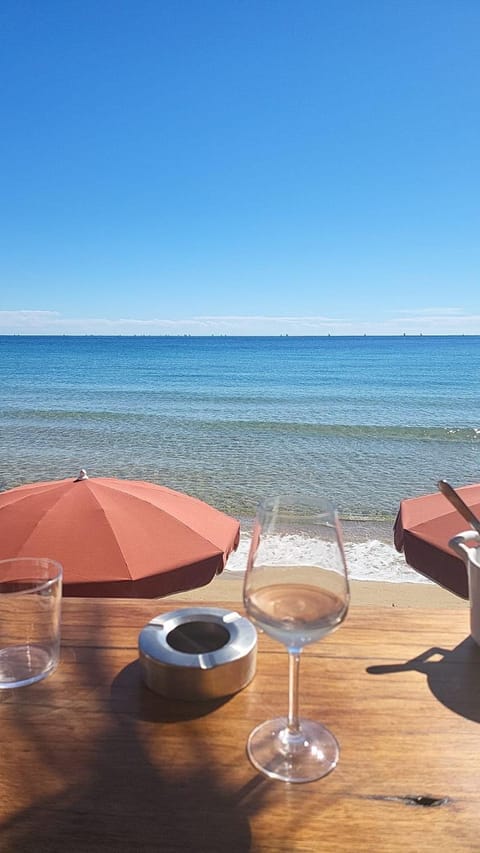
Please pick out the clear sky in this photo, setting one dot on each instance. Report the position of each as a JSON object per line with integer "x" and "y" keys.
{"x": 240, "y": 166}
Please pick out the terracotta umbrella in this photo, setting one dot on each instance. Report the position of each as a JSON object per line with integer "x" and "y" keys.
{"x": 117, "y": 538}
{"x": 422, "y": 530}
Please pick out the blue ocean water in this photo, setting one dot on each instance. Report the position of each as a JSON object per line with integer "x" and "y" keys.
{"x": 368, "y": 420}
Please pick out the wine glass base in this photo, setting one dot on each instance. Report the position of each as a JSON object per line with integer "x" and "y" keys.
{"x": 301, "y": 756}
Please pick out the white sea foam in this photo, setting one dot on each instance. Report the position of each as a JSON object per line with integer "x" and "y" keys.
{"x": 371, "y": 560}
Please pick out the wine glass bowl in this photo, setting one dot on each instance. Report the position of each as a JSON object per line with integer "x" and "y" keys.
{"x": 296, "y": 590}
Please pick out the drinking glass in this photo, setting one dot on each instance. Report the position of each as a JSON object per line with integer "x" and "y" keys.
{"x": 295, "y": 589}
{"x": 30, "y": 610}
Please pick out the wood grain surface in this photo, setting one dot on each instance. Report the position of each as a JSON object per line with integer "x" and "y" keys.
{"x": 93, "y": 760}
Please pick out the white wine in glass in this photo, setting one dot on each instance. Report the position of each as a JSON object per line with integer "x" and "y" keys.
{"x": 296, "y": 589}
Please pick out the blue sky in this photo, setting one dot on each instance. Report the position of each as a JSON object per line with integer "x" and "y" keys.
{"x": 240, "y": 167}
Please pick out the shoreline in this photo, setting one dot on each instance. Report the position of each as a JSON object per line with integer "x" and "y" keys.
{"x": 228, "y": 587}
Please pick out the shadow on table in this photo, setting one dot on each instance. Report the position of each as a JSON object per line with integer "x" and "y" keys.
{"x": 130, "y": 696}
{"x": 453, "y": 676}
{"x": 120, "y": 785}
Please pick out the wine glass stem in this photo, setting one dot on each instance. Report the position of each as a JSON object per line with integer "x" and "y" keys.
{"x": 293, "y": 680}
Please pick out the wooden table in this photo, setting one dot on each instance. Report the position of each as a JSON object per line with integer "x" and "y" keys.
{"x": 92, "y": 760}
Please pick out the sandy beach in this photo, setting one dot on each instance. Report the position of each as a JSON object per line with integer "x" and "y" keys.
{"x": 228, "y": 587}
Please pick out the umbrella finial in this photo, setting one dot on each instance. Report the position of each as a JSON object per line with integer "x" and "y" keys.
{"x": 82, "y": 476}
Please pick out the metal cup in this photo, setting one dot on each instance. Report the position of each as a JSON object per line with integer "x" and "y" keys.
{"x": 467, "y": 546}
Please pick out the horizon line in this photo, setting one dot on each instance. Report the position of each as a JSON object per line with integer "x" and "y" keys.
{"x": 227, "y": 335}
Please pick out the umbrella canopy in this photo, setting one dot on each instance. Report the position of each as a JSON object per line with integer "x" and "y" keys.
{"x": 118, "y": 538}
{"x": 422, "y": 530}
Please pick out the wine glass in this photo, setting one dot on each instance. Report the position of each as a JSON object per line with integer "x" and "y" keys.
{"x": 295, "y": 589}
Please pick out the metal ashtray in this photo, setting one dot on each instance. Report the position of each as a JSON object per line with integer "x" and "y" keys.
{"x": 198, "y": 653}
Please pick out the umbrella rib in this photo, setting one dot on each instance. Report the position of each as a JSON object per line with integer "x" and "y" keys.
{"x": 216, "y": 549}
{"x": 175, "y": 518}
{"x": 107, "y": 520}
{"x": 40, "y": 518}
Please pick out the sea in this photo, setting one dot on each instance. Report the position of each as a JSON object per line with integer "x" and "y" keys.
{"x": 367, "y": 421}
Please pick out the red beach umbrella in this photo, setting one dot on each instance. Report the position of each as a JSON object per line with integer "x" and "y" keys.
{"x": 117, "y": 538}
{"x": 422, "y": 530}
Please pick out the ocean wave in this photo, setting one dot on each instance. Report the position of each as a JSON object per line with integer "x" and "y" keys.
{"x": 79, "y": 415}
{"x": 235, "y": 424}
{"x": 371, "y": 560}
{"x": 358, "y": 430}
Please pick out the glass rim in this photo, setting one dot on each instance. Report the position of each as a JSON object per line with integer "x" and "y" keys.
{"x": 37, "y": 584}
